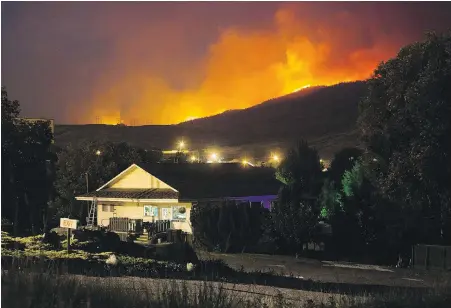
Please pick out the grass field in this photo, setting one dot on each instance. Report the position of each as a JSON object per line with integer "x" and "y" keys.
{"x": 38, "y": 276}
{"x": 334, "y": 272}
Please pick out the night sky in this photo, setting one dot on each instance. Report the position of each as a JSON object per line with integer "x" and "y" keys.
{"x": 163, "y": 63}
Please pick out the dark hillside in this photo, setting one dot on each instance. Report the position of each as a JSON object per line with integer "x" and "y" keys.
{"x": 320, "y": 114}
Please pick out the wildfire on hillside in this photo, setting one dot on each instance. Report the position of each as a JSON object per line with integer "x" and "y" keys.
{"x": 243, "y": 68}
{"x": 302, "y": 88}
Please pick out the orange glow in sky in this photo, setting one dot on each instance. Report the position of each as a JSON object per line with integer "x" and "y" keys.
{"x": 244, "y": 67}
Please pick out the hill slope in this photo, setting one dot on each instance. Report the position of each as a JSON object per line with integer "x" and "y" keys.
{"x": 325, "y": 116}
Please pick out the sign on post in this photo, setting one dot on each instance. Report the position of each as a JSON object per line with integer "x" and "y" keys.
{"x": 68, "y": 224}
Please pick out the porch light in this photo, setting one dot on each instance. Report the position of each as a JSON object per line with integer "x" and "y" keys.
{"x": 98, "y": 152}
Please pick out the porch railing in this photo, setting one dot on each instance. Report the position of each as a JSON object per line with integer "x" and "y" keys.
{"x": 123, "y": 224}
{"x": 157, "y": 226}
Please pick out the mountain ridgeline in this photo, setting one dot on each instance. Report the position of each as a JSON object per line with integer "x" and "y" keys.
{"x": 325, "y": 116}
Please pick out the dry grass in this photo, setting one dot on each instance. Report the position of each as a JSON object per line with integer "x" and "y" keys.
{"x": 22, "y": 290}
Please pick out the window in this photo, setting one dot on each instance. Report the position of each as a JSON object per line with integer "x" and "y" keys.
{"x": 179, "y": 213}
{"x": 166, "y": 213}
{"x": 107, "y": 208}
{"x": 150, "y": 211}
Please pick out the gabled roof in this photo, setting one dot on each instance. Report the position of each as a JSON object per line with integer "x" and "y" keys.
{"x": 206, "y": 181}
{"x": 120, "y": 175}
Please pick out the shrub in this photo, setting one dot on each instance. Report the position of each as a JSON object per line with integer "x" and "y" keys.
{"x": 52, "y": 239}
{"x": 228, "y": 226}
{"x": 96, "y": 240}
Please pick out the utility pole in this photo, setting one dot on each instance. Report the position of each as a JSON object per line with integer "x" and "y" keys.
{"x": 87, "y": 191}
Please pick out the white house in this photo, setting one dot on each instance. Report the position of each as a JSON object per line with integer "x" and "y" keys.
{"x": 168, "y": 191}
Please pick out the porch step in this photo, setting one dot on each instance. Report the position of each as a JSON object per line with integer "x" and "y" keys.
{"x": 142, "y": 239}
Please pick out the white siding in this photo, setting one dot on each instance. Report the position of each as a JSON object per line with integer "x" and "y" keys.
{"x": 138, "y": 178}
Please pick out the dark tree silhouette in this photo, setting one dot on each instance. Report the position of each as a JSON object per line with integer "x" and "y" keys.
{"x": 297, "y": 211}
{"x": 26, "y": 156}
{"x": 405, "y": 126}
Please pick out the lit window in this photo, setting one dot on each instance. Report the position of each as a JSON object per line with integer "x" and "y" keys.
{"x": 166, "y": 213}
{"x": 179, "y": 213}
{"x": 150, "y": 211}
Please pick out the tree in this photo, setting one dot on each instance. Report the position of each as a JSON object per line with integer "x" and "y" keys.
{"x": 329, "y": 199}
{"x": 25, "y": 179}
{"x": 10, "y": 111}
{"x": 301, "y": 167}
{"x": 88, "y": 165}
{"x": 343, "y": 160}
{"x": 330, "y": 196}
{"x": 405, "y": 125}
{"x": 297, "y": 211}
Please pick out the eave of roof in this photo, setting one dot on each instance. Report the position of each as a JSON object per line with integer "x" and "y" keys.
{"x": 131, "y": 193}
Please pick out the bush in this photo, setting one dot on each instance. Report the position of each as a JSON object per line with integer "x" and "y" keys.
{"x": 79, "y": 264}
{"x": 227, "y": 227}
{"x": 52, "y": 239}
{"x": 97, "y": 240}
{"x": 36, "y": 242}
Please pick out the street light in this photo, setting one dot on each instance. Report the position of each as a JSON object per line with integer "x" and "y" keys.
{"x": 214, "y": 157}
{"x": 193, "y": 158}
{"x": 181, "y": 145}
{"x": 98, "y": 152}
{"x": 247, "y": 163}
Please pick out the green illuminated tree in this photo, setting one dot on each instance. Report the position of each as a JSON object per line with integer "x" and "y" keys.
{"x": 329, "y": 199}
{"x": 331, "y": 192}
{"x": 343, "y": 160}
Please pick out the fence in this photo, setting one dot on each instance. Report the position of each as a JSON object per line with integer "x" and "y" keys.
{"x": 431, "y": 257}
